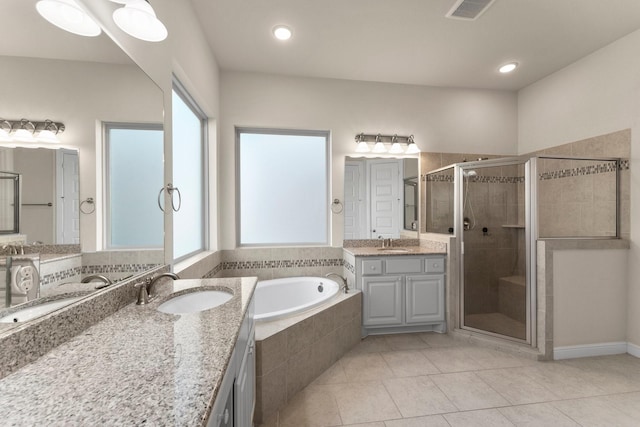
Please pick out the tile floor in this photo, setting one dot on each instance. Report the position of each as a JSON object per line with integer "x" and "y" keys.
{"x": 428, "y": 379}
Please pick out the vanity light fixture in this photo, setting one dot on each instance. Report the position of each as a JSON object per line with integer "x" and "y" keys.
{"x": 25, "y": 130}
{"x": 5, "y": 128}
{"x": 362, "y": 147}
{"x": 282, "y": 32}
{"x": 508, "y": 67}
{"x": 69, "y": 16}
{"x": 138, "y": 19}
{"x": 380, "y": 140}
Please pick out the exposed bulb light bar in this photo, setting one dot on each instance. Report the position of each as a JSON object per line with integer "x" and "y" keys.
{"x": 68, "y": 15}
{"x": 396, "y": 142}
{"x": 30, "y": 132}
{"x": 138, "y": 19}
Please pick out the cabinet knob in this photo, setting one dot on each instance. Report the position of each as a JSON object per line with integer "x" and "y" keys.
{"x": 436, "y": 265}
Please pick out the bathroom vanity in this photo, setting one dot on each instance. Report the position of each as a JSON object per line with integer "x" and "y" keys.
{"x": 403, "y": 290}
{"x": 142, "y": 366}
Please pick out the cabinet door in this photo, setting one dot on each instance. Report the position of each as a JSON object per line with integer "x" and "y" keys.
{"x": 245, "y": 387}
{"x": 425, "y": 299}
{"x": 382, "y": 300}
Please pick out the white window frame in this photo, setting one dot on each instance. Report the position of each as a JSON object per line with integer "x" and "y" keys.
{"x": 327, "y": 196}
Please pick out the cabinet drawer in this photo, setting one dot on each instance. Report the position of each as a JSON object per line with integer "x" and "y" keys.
{"x": 403, "y": 265}
{"x": 372, "y": 266}
{"x": 434, "y": 265}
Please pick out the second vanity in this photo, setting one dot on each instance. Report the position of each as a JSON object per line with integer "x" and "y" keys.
{"x": 403, "y": 289}
{"x": 140, "y": 366}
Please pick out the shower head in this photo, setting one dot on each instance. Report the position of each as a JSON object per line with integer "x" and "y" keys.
{"x": 470, "y": 173}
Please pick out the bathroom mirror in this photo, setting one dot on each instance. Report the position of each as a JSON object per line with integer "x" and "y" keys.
{"x": 84, "y": 83}
{"x": 381, "y": 198}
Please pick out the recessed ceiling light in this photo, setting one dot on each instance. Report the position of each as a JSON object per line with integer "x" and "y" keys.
{"x": 509, "y": 67}
{"x": 282, "y": 32}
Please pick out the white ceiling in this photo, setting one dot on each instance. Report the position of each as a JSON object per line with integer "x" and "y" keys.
{"x": 411, "y": 41}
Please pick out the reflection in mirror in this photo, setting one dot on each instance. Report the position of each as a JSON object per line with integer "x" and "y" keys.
{"x": 49, "y": 193}
{"x": 439, "y": 198}
{"x": 380, "y": 198}
{"x": 9, "y": 202}
{"x": 84, "y": 83}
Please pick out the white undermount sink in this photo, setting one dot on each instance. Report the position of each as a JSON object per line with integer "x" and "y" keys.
{"x": 395, "y": 250}
{"x": 194, "y": 302}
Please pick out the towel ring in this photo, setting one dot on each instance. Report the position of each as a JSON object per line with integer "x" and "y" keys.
{"x": 336, "y": 206}
{"x": 88, "y": 201}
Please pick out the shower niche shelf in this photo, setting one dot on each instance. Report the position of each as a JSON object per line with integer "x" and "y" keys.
{"x": 513, "y": 226}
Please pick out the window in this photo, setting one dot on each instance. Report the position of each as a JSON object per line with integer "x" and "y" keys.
{"x": 189, "y": 174}
{"x": 134, "y": 157}
{"x": 283, "y": 187}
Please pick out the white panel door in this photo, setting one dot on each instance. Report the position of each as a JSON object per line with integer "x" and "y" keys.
{"x": 353, "y": 204}
{"x": 385, "y": 198}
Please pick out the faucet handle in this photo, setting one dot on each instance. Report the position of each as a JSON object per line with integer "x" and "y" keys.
{"x": 143, "y": 295}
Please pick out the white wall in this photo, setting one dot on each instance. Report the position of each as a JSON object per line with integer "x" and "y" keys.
{"x": 79, "y": 94}
{"x": 441, "y": 119}
{"x": 595, "y": 95}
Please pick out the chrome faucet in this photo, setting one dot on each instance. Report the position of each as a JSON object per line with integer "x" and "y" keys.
{"x": 387, "y": 243}
{"x": 14, "y": 249}
{"x": 345, "y": 285}
{"x": 105, "y": 280}
{"x": 145, "y": 294}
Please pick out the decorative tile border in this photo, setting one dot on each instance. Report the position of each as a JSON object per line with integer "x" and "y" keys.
{"x": 585, "y": 170}
{"x": 350, "y": 267}
{"x": 296, "y": 263}
{"x": 117, "y": 268}
{"x": 48, "y": 279}
{"x": 214, "y": 272}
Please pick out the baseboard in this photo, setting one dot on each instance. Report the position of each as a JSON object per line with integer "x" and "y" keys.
{"x": 590, "y": 350}
{"x": 633, "y": 349}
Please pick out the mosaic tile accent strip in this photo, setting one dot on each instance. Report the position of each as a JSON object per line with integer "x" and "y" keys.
{"x": 117, "y": 268}
{"x": 47, "y": 279}
{"x": 212, "y": 273}
{"x": 350, "y": 267}
{"x": 584, "y": 170}
{"x": 296, "y": 263}
{"x": 478, "y": 178}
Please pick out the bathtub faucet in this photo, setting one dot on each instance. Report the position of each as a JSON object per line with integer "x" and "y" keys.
{"x": 345, "y": 285}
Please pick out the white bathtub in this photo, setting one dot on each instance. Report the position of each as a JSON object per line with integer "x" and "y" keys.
{"x": 284, "y": 297}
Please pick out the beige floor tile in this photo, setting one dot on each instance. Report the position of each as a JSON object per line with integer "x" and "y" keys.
{"x": 595, "y": 412}
{"x": 563, "y": 380}
{"x": 452, "y": 359}
{"x": 333, "y": 375}
{"x": 492, "y": 359}
{"x": 406, "y": 341}
{"x": 614, "y": 375}
{"x": 430, "y": 421}
{"x": 272, "y": 421}
{"x": 366, "y": 367}
{"x": 409, "y": 363}
{"x": 537, "y": 415}
{"x": 483, "y": 418}
{"x": 468, "y": 392}
{"x": 363, "y": 402}
{"x": 435, "y": 340}
{"x": 376, "y": 424}
{"x": 418, "y": 396}
{"x": 510, "y": 384}
{"x": 629, "y": 403}
{"x": 312, "y": 407}
{"x": 371, "y": 344}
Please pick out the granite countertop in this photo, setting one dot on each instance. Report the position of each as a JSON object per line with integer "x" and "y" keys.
{"x": 137, "y": 366}
{"x": 399, "y": 251}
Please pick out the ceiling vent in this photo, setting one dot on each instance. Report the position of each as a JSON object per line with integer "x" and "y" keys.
{"x": 469, "y": 10}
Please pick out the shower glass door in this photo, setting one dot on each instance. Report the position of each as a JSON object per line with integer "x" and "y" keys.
{"x": 493, "y": 216}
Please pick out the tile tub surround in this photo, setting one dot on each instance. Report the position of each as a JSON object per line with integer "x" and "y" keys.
{"x": 292, "y": 352}
{"x": 23, "y": 344}
{"x": 138, "y": 366}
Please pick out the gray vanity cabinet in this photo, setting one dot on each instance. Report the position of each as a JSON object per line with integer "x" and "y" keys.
{"x": 236, "y": 398}
{"x": 402, "y": 293}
